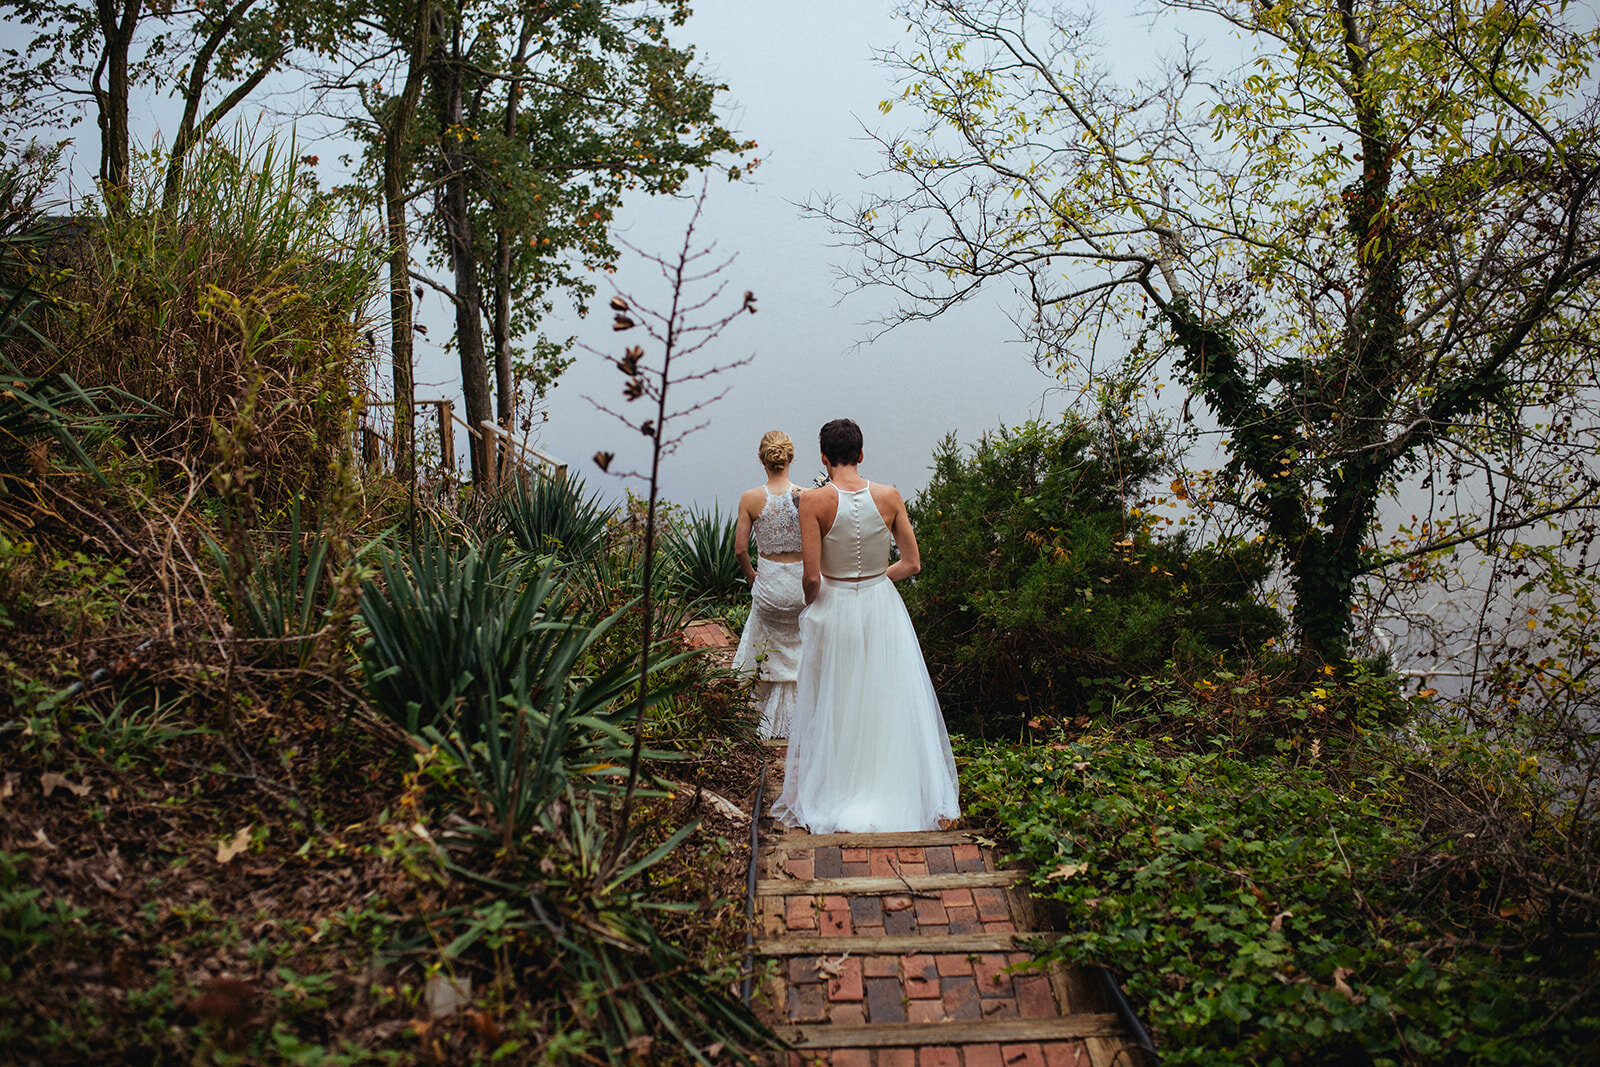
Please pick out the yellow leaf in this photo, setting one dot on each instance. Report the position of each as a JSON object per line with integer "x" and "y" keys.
{"x": 1066, "y": 870}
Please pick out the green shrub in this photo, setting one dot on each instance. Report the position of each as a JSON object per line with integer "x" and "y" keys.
{"x": 1042, "y": 573}
{"x": 1262, "y": 913}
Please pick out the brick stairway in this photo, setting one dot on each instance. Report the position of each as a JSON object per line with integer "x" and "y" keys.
{"x": 902, "y": 950}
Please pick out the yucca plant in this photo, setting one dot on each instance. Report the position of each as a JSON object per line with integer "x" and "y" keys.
{"x": 549, "y": 516}
{"x": 286, "y": 597}
{"x": 627, "y": 981}
{"x": 701, "y": 559}
{"x": 448, "y": 628}
{"x": 555, "y": 725}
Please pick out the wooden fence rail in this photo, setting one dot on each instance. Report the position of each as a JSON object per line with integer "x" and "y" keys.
{"x": 377, "y": 447}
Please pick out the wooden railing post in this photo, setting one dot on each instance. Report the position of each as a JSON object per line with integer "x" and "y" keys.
{"x": 447, "y": 434}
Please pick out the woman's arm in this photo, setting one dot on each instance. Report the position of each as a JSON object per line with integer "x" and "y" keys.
{"x": 905, "y": 539}
{"x": 811, "y": 544}
{"x": 741, "y": 538}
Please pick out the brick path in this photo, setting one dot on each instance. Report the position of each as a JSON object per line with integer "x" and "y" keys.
{"x": 903, "y": 950}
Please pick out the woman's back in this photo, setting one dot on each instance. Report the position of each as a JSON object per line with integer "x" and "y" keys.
{"x": 857, "y": 544}
{"x": 777, "y": 528}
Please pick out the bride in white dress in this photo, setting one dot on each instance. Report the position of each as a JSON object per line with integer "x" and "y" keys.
{"x": 770, "y": 646}
{"x": 868, "y": 751}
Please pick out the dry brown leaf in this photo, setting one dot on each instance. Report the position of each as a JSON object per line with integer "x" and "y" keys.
{"x": 52, "y": 781}
{"x": 1277, "y": 920}
{"x": 42, "y": 841}
{"x": 1067, "y": 870}
{"x": 899, "y": 902}
{"x": 229, "y": 849}
{"x": 827, "y": 968}
{"x": 6, "y": 786}
{"x": 1341, "y": 987}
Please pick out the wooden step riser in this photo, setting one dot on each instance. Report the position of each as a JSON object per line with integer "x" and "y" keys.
{"x": 910, "y": 839}
{"x": 988, "y": 1032}
{"x": 934, "y": 944}
{"x": 869, "y": 886}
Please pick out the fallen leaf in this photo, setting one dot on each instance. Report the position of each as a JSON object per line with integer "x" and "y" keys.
{"x": 1277, "y": 920}
{"x": 446, "y": 996}
{"x": 5, "y": 786}
{"x": 482, "y": 1024}
{"x": 229, "y": 849}
{"x": 982, "y": 842}
{"x": 1067, "y": 870}
{"x": 228, "y": 1001}
{"x": 827, "y": 968}
{"x": 896, "y": 903}
{"x": 1341, "y": 987}
{"x": 52, "y": 781}
{"x": 41, "y": 840}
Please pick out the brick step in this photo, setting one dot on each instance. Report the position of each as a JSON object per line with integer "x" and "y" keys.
{"x": 906, "y": 839}
{"x": 933, "y": 944}
{"x": 869, "y": 886}
{"x": 987, "y": 1032}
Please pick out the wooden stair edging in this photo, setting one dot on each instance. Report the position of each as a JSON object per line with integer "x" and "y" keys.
{"x": 940, "y": 944}
{"x": 986, "y": 1032}
{"x": 870, "y": 886}
{"x": 903, "y": 839}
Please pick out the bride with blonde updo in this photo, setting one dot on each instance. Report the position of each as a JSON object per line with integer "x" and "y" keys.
{"x": 770, "y": 646}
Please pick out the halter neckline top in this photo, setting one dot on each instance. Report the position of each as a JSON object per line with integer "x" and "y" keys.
{"x": 777, "y": 528}
{"x": 857, "y": 544}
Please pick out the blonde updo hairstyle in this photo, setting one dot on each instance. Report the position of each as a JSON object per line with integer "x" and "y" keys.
{"x": 776, "y": 451}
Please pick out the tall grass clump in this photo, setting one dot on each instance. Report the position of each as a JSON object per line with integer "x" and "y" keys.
{"x": 37, "y": 410}
{"x": 251, "y": 293}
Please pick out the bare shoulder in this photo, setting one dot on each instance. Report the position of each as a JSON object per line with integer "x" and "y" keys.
{"x": 887, "y": 494}
{"x": 753, "y": 500}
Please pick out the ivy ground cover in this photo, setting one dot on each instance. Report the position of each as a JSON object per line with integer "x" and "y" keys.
{"x": 1260, "y": 912}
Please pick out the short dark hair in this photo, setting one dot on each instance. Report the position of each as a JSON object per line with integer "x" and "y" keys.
{"x": 841, "y": 442}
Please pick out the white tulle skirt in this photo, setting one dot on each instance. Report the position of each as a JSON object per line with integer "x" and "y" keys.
{"x": 770, "y": 645}
{"x": 868, "y": 751}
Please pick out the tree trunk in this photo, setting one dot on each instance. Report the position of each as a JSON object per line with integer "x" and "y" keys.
{"x": 453, "y": 206}
{"x": 401, "y": 350}
{"x": 505, "y": 388}
{"x": 191, "y": 128}
{"x": 116, "y": 30}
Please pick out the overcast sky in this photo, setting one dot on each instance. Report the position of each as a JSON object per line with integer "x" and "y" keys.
{"x": 801, "y": 82}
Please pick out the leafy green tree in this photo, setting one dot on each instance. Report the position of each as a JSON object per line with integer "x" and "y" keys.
{"x": 1051, "y": 574}
{"x": 100, "y": 52}
{"x": 535, "y": 121}
{"x": 1370, "y": 250}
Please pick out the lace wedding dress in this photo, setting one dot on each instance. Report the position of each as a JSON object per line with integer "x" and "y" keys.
{"x": 770, "y": 645}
